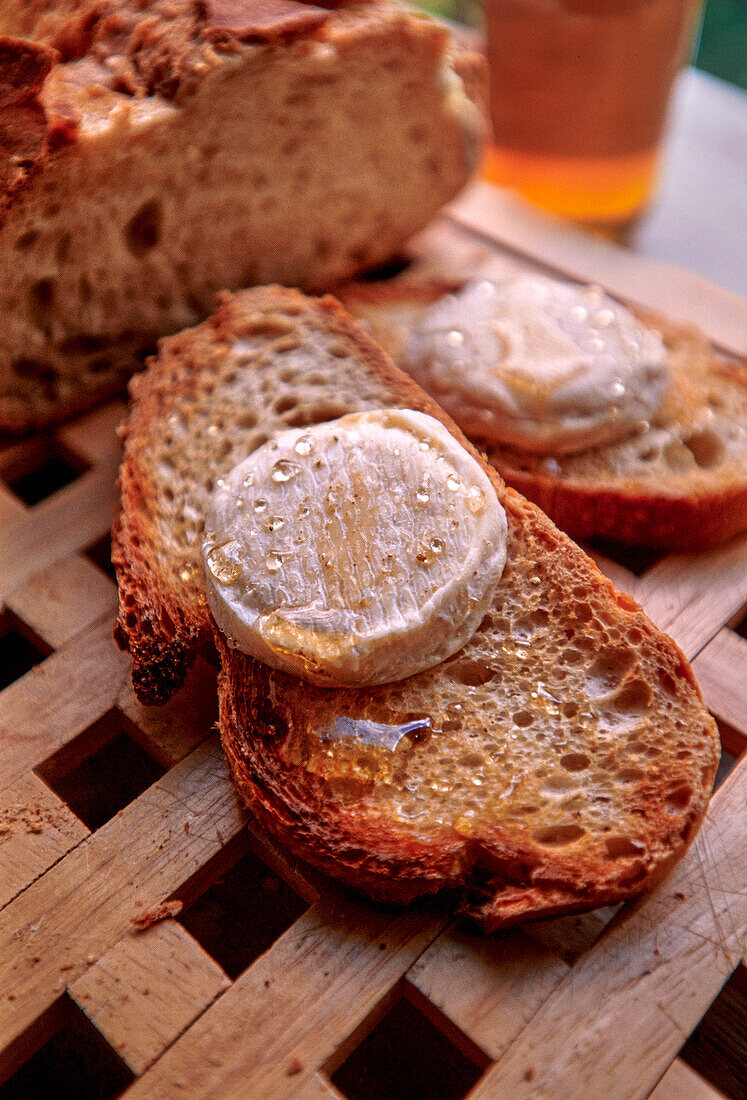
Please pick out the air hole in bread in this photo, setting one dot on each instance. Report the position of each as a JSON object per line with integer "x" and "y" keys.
{"x": 296, "y": 99}
{"x": 143, "y": 230}
{"x": 26, "y": 240}
{"x": 608, "y": 671}
{"x": 706, "y": 447}
{"x": 557, "y": 781}
{"x": 472, "y": 673}
{"x": 575, "y": 761}
{"x": 317, "y": 414}
{"x": 62, "y": 248}
{"x": 523, "y": 718}
{"x": 41, "y": 301}
{"x": 247, "y": 419}
{"x": 620, "y": 846}
{"x": 85, "y": 291}
{"x": 635, "y": 698}
{"x": 471, "y": 760}
{"x": 583, "y": 612}
{"x": 285, "y": 404}
{"x": 678, "y": 457}
{"x": 100, "y": 365}
{"x": 629, "y": 775}
{"x": 557, "y": 836}
{"x": 40, "y": 372}
{"x": 678, "y": 799}
{"x": 265, "y": 324}
{"x": 668, "y": 683}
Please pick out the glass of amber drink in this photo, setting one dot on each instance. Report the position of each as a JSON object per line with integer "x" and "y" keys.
{"x": 579, "y": 91}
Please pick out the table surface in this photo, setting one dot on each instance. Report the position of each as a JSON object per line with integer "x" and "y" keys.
{"x": 699, "y": 218}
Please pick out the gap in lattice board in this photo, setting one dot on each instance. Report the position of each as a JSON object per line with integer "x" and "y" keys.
{"x": 717, "y": 1048}
{"x": 49, "y": 468}
{"x": 100, "y": 553}
{"x": 20, "y": 649}
{"x": 636, "y": 559}
{"x": 237, "y": 906}
{"x": 376, "y": 1062}
{"x": 739, "y": 622}
{"x": 75, "y": 1063}
{"x": 100, "y": 771}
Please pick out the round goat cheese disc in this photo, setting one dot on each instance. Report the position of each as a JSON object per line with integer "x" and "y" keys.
{"x": 538, "y": 364}
{"x": 358, "y": 551}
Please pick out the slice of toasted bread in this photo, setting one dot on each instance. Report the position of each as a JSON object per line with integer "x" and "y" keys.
{"x": 154, "y": 153}
{"x": 681, "y": 485}
{"x": 561, "y": 760}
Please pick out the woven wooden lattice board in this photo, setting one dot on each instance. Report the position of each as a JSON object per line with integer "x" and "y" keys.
{"x": 566, "y": 1008}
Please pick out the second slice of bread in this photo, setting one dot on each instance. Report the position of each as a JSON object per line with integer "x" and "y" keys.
{"x": 681, "y": 484}
{"x": 561, "y": 760}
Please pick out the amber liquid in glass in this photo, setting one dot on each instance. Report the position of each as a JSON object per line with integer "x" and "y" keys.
{"x": 579, "y": 94}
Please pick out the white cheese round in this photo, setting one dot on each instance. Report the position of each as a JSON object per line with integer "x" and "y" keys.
{"x": 540, "y": 365}
{"x": 358, "y": 551}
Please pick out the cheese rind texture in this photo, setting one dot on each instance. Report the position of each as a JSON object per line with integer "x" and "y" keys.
{"x": 359, "y": 551}
{"x": 538, "y": 364}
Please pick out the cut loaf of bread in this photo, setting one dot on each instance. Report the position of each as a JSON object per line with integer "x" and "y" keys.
{"x": 152, "y": 153}
{"x": 680, "y": 485}
{"x": 559, "y": 761}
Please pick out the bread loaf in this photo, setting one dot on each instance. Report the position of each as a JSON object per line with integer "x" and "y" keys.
{"x": 152, "y": 153}
{"x": 562, "y": 759}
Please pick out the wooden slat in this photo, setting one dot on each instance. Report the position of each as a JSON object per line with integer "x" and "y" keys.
{"x": 93, "y": 437}
{"x": 11, "y": 508}
{"x": 691, "y": 596}
{"x": 147, "y": 989}
{"x": 62, "y": 600}
{"x": 36, "y": 830}
{"x": 67, "y": 521}
{"x": 58, "y": 699}
{"x": 617, "y": 1020}
{"x": 721, "y": 669}
{"x": 318, "y": 1087}
{"x": 66, "y": 920}
{"x": 172, "y": 731}
{"x": 285, "y": 1016}
{"x": 490, "y": 987}
{"x": 680, "y": 295}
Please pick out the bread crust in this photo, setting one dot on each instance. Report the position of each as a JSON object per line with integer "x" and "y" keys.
{"x": 675, "y": 512}
{"x": 310, "y": 792}
{"x": 24, "y": 127}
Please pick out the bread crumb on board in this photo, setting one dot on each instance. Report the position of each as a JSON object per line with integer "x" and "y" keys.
{"x": 31, "y": 818}
{"x": 141, "y": 921}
